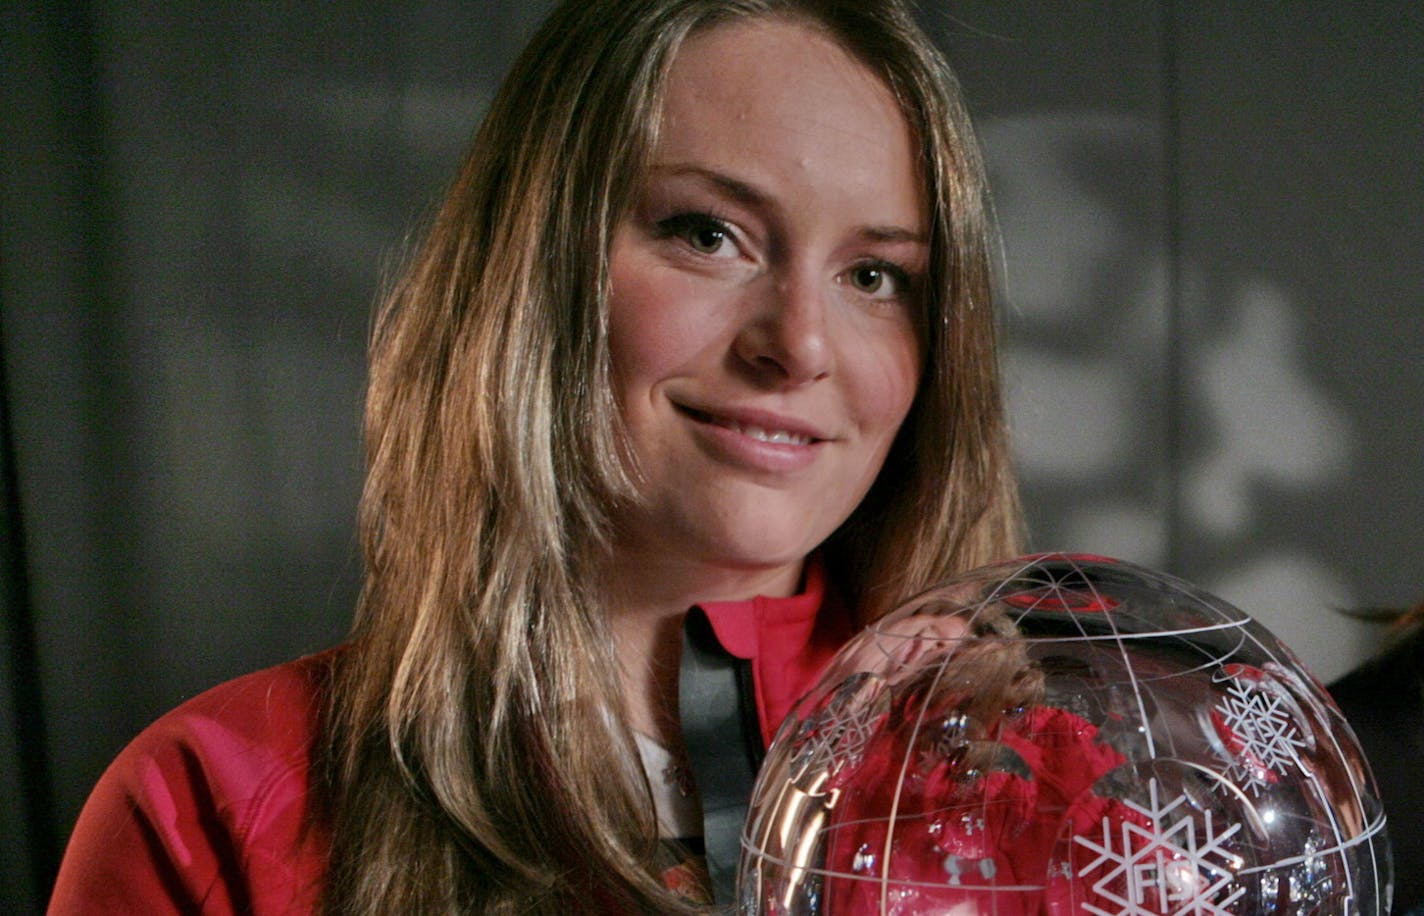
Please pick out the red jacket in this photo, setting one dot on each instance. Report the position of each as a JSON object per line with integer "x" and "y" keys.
{"x": 207, "y": 809}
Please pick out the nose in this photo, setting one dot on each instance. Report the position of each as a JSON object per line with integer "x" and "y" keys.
{"x": 785, "y": 338}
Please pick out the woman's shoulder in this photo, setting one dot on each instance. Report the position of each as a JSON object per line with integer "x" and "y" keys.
{"x": 240, "y": 736}
{"x": 210, "y": 805}
{"x": 278, "y": 705}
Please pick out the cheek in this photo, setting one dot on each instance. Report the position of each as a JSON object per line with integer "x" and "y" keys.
{"x": 887, "y": 379}
{"x": 651, "y": 326}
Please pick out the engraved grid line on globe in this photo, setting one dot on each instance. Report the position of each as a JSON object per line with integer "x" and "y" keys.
{"x": 1046, "y": 590}
{"x": 1266, "y": 730}
{"x": 1162, "y": 868}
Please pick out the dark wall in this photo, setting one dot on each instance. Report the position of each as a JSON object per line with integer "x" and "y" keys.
{"x": 1216, "y": 349}
{"x": 1216, "y": 341}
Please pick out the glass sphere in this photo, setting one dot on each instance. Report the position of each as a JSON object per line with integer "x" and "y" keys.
{"x": 1065, "y": 735}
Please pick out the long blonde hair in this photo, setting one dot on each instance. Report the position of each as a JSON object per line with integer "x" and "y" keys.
{"x": 469, "y": 722}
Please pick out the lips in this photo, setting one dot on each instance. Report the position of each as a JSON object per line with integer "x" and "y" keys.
{"x": 774, "y": 436}
{"x": 758, "y": 425}
{"x": 777, "y": 436}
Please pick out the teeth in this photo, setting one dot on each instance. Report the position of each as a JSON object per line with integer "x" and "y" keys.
{"x": 775, "y": 436}
{"x": 761, "y": 434}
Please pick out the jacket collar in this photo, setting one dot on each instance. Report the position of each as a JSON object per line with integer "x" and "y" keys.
{"x": 787, "y": 640}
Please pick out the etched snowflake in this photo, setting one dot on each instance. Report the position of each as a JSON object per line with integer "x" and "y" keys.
{"x": 1156, "y": 865}
{"x": 837, "y": 734}
{"x": 1258, "y": 728}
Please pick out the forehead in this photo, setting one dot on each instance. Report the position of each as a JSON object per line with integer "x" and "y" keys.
{"x": 781, "y": 90}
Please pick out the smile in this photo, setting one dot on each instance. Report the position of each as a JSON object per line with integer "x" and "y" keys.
{"x": 759, "y": 432}
{"x": 777, "y": 436}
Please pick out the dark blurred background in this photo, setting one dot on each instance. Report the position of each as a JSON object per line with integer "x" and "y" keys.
{"x": 1212, "y": 251}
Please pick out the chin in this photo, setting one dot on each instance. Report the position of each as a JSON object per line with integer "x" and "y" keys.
{"x": 753, "y": 540}
{"x": 761, "y": 550}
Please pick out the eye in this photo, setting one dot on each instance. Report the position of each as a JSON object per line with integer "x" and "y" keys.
{"x": 707, "y": 239}
{"x": 879, "y": 280}
{"x": 704, "y": 234}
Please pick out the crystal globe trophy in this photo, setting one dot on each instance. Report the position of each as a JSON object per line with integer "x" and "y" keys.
{"x": 1063, "y": 735}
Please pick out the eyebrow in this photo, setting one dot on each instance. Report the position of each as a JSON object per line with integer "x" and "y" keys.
{"x": 738, "y": 190}
{"x": 893, "y": 234}
{"x": 750, "y": 195}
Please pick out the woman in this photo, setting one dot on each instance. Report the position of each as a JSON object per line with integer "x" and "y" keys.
{"x": 704, "y": 322}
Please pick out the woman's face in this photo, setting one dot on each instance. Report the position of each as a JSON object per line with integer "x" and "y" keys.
{"x": 765, "y": 286}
